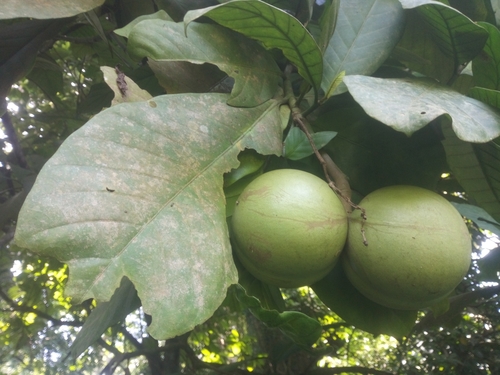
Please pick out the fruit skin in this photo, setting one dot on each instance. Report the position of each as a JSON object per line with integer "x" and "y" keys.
{"x": 288, "y": 228}
{"x": 419, "y": 248}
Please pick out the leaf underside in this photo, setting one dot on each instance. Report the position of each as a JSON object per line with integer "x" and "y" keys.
{"x": 407, "y": 105}
{"x": 137, "y": 192}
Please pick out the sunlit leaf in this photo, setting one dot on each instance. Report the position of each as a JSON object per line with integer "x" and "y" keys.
{"x": 255, "y": 72}
{"x": 407, "y": 105}
{"x": 274, "y": 28}
{"x": 137, "y": 192}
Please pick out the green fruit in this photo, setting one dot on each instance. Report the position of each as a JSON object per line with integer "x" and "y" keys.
{"x": 418, "y": 248}
{"x": 288, "y": 228}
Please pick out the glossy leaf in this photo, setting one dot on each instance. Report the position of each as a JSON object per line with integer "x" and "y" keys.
{"x": 255, "y": 72}
{"x": 407, "y": 105}
{"x": 455, "y": 34}
{"x": 297, "y": 146}
{"x": 341, "y": 297}
{"x": 476, "y": 168}
{"x": 365, "y": 34}
{"x": 486, "y": 66}
{"x": 137, "y": 192}
{"x": 46, "y": 8}
{"x": 274, "y": 28}
{"x": 301, "y": 328}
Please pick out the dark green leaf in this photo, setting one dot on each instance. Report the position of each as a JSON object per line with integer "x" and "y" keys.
{"x": 338, "y": 294}
{"x": 419, "y": 52}
{"x": 457, "y": 36}
{"x": 327, "y": 23}
{"x": 407, "y": 105}
{"x": 476, "y": 168}
{"x": 486, "y": 66}
{"x": 123, "y": 302}
{"x": 297, "y": 146}
{"x": 479, "y": 216}
{"x": 302, "y": 329}
{"x": 491, "y": 97}
{"x": 489, "y": 266}
{"x": 274, "y": 28}
{"x": 255, "y": 72}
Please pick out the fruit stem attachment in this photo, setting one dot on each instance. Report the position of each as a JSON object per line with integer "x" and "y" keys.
{"x": 335, "y": 178}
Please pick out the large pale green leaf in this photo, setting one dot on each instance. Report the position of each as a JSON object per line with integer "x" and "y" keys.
{"x": 365, "y": 34}
{"x": 477, "y": 169}
{"x": 409, "y": 104}
{"x": 274, "y": 28}
{"x": 46, "y": 8}
{"x": 255, "y": 72}
{"x": 486, "y": 66}
{"x": 454, "y": 33}
{"x": 137, "y": 192}
{"x": 479, "y": 216}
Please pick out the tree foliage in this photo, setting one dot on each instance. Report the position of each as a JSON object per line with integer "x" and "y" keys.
{"x": 142, "y": 122}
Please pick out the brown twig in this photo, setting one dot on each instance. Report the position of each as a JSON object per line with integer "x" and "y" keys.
{"x": 334, "y": 176}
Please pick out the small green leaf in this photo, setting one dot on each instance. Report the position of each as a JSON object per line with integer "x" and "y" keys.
{"x": 299, "y": 327}
{"x": 407, "y": 105}
{"x": 255, "y": 72}
{"x": 339, "y": 294}
{"x": 46, "y": 8}
{"x": 274, "y": 28}
{"x": 297, "y": 146}
{"x": 123, "y": 302}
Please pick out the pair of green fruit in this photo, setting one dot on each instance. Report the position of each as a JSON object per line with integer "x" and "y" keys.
{"x": 289, "y": 229}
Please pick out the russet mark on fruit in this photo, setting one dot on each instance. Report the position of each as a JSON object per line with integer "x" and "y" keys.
{"x": 288, "y": 228}
{"x": 419, "y": 248}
